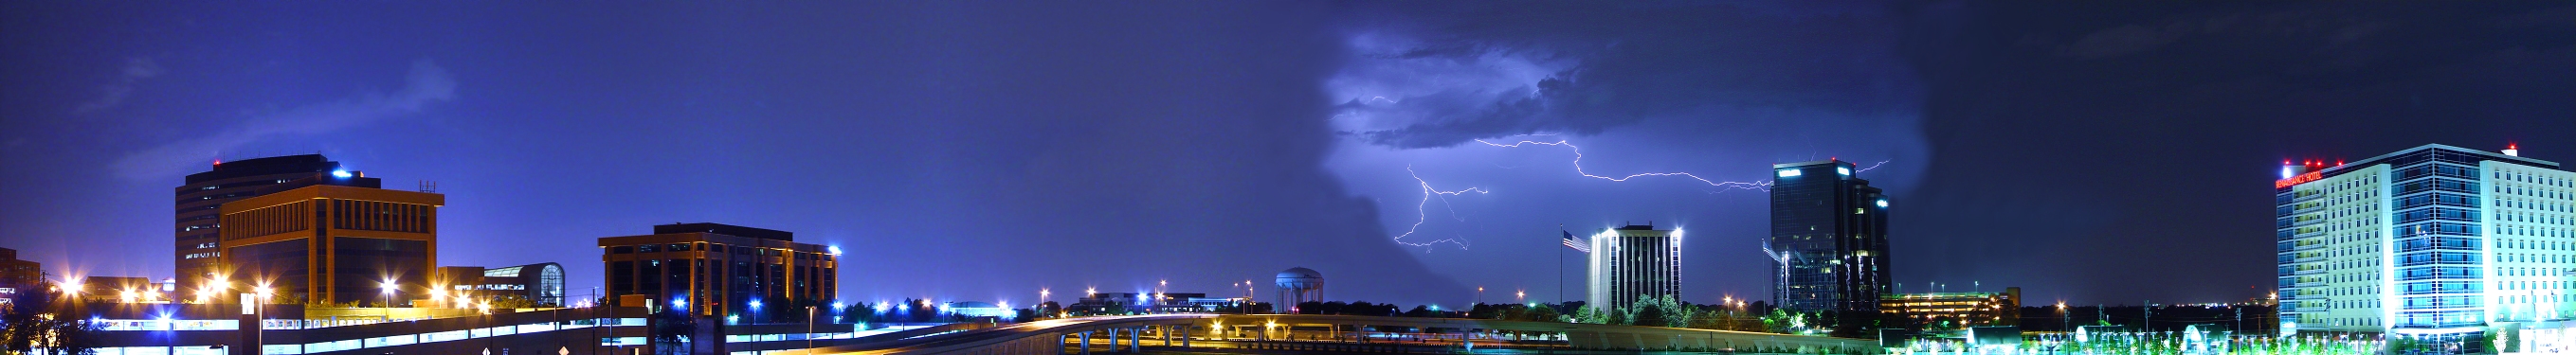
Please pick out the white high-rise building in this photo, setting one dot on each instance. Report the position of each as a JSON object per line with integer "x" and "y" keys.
{"x": 1633, "y": 261}
{"x": 2436, "y": 242}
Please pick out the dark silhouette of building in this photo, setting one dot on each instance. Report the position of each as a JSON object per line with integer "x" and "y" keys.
{"x": 332, "y": 238}
{"x": 722, "y": 270}
{"x": 18, "y": 276}
{"x": 200, "y": 201}
{"x": 1829, "y": 228}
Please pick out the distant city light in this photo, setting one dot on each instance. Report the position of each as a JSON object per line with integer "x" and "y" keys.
{"x": 344, "y": 174}
{"x": 1842, "y": 170}
{"x": 1882, "y": 203}
{"x": 1789, "y": 173}
{"x": 836, "y": 250}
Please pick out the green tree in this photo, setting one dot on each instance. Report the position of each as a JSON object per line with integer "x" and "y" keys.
{"x": 51, "y": 334}
{"x": 1543, "y": 314}
{"x": 669, "y": 328}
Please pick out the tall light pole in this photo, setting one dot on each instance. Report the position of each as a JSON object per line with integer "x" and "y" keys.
{"x": 809, "y": 328}
{"x": 389, "y": 300}
{"x": 755, "y": 311}
{"x": 2065, "y": 322}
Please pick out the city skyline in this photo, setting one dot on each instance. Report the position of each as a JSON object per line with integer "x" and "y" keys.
{"x": 2099, "y": 153}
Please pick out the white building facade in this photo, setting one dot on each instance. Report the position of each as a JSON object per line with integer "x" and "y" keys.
{"x": 1633, "y": 261}
{"x": 2436, "y": 241}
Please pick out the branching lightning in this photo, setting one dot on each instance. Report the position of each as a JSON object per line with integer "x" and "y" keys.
{"x": 1421, "y": 216}
{"x": 1578, "y": 168}
{"x": 1428, "y": 192}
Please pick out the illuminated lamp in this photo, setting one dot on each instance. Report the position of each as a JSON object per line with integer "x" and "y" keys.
{"x": 1882, "y": 203}
{"x": 1789, "y": 173}
{"x": 1842, "y": 170}
{"x": 344, "y": 174}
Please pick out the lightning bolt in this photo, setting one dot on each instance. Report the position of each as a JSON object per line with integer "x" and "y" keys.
{"x": 1421, "y": 216}
{"x": 1420, "y": 208}
{"x": 1578, "y": 168}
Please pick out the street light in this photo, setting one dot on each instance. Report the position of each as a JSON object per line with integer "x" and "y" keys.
{"x": 755, "y": 311}
{"x": 389, "y": 299}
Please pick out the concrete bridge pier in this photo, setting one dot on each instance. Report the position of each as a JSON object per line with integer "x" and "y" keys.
{"x": 1135, "y": 340}
{"x": 1086, "y": 342}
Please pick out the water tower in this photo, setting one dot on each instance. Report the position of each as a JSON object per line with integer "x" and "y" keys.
{"x": 1300, "y": 285}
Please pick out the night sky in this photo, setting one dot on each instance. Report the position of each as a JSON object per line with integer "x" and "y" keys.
{"x": 2092, "y": 152}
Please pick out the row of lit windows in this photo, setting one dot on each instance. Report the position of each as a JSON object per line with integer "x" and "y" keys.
{"x": 283, "y": 218}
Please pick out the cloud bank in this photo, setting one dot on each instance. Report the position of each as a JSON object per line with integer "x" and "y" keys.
{"x": 426, "y": 84}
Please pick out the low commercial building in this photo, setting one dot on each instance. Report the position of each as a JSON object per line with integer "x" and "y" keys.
{"x": 1959, "y": 309}
{"x": 1133, "y": 302}
{"x": 721, "y": 270}
{"x": 18, "y": 276}
{"x": 541, "y": 283}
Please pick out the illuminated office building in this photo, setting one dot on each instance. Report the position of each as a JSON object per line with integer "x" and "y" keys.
{"x": 721, "y": 270}
{"x": 322, "y": 239}
{"x": 200, "y": 201}
{"x": 2437, "y": 242}
{"x": 1828, "y": 238}
{"x": 1633, "y": 261}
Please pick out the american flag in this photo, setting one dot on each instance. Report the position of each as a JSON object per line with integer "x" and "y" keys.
{"x": 1577, "y": 243}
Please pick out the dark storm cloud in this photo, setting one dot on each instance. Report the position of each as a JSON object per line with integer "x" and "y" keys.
{"x": 1446, "y": 74}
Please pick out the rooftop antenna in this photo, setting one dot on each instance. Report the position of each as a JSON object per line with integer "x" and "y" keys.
{"x": 428, "y": 186}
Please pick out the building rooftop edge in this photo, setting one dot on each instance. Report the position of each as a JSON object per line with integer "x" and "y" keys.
{"x": 2444, "y": 146}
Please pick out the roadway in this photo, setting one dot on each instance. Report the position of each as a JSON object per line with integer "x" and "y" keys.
{"x": 1051, "y": 336}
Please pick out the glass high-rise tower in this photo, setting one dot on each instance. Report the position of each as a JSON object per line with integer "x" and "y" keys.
{"x": 2435, "y": 241}
{"x": 1828, "y": 238}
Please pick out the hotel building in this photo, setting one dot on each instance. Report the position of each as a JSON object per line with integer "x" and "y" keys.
{"x": 1830, "y": 230}
{"x": 1632, "y": 261}
{"x": 2437, "y": 242}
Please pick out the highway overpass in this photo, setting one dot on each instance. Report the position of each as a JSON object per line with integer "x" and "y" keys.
{"x": 1126, "y": 332}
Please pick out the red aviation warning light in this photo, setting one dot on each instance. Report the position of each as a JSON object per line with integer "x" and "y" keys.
{"x": 2512, "y": 150}
{"x": 2294, "y": 174}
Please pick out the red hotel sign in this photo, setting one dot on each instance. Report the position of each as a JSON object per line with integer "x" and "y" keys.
{"x": 2301, "y": 179}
